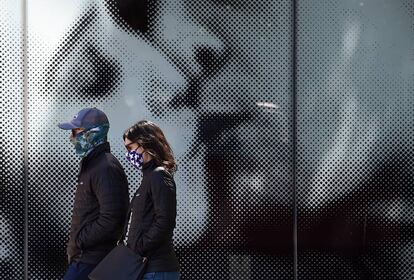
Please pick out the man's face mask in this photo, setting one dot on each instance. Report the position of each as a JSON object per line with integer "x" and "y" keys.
{"x": 87, "y": 140}
{"x": 135, "y": 158}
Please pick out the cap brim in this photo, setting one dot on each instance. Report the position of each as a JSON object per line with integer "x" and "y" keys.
{"x": 67, "y": 126}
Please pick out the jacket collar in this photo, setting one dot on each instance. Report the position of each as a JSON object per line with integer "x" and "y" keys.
{"x": 102, "y": 148}
{"x": 148, "y": 167}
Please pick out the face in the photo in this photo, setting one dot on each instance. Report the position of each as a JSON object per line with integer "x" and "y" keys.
{"x": 227, "y": 52}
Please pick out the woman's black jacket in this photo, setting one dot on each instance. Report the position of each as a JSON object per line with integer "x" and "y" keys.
{"x": 153, "y": 213}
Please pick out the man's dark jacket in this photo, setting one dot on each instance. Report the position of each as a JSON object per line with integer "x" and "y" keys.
{"x": 154, "y": 208}
{"x": 100, "y": 208}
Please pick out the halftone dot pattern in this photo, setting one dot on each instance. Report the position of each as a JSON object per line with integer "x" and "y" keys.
{"x": 205, "y": 72}
{"x": 12, "y": 202}
{"x": 355, "y": 139}
{"x": 217, "y": 77}
{"x": 241, "y": 106}
{"x": 91, "y": 78}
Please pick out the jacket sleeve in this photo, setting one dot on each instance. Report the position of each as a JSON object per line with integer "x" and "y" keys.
{"x": 163, "y": 194}
{"x": 111, "y": 190}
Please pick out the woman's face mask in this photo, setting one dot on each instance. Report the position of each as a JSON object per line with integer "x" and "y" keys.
{"x": 135, "y": 158}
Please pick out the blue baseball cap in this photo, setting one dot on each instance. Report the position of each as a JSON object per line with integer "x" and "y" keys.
{"x": 86, "y": 118}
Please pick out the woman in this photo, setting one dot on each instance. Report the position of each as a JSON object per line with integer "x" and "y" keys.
{"x": 153, "y": 208}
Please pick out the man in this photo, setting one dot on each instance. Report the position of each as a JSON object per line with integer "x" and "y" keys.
{"x": 101, "y": 198}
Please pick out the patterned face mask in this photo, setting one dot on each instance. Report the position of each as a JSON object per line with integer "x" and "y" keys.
{"x": 86, "y": 141}
{"x": 135, "y": 158}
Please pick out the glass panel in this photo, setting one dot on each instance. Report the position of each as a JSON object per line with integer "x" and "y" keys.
{"x": 216, "y": 76}
{"x": 355, "y": 139}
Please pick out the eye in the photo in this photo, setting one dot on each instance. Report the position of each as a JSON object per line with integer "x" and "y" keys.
{"x": 136, "y": 14}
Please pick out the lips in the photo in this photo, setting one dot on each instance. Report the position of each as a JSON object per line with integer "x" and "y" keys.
{"x": 212, "y": 125}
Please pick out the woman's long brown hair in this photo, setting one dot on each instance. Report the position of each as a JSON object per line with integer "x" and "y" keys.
{"x": 150, "y": 136}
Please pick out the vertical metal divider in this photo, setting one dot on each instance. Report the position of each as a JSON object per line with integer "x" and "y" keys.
{"x": 294, "y": 140}
{"x": 26, "y": 136}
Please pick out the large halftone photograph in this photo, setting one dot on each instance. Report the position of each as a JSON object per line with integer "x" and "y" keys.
{"x": 290, "y": 122}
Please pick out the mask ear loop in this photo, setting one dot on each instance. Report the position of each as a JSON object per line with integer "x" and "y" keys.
{"x": 145, "y": 151}
{"x": 151, "y": 154}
